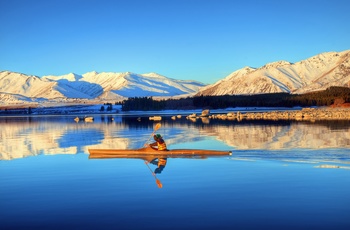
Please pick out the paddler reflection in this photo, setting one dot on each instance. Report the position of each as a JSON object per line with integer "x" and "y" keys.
{"x": 160, "y": 162}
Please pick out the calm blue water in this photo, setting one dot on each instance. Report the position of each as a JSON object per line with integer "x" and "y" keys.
{"x": 281, "y": 175}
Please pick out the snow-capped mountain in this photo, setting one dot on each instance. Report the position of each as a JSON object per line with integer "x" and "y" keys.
{"x": 92, "y": 85}
{"x": 316, "y": 73}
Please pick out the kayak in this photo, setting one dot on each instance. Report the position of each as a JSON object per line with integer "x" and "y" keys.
{"x": 149, "y": 153}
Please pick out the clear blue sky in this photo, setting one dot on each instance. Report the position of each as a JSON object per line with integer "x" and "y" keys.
{"x": 202, "y": 40}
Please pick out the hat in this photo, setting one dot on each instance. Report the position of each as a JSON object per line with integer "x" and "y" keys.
{"x": 158, "y": 136}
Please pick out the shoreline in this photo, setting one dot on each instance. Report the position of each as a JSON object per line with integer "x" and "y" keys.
{"x": 238, "y": 113}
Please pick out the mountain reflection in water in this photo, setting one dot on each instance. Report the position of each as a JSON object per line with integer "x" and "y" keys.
{"x": 29, "y": 136}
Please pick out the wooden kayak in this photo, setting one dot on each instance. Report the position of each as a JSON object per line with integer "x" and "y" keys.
{"x": 149, "y": 153}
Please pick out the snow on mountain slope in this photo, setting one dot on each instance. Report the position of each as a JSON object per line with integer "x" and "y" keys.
{"x": 93, "y": 85}
{"x": 316, "y": 73}
{"x": 74, "y": 86}
{"x": 68, "y": 77}
{"x": 28, "y": 86}
{"x": 116, "y": 85}
{"x": 7, "y": 98}
{"x": 153, "y": 84}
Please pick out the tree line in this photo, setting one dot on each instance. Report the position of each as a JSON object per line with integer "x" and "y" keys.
{"x": 320, "y": 98}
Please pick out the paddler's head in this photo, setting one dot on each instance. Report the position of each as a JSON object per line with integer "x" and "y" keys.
{"x": 157, "y": 137}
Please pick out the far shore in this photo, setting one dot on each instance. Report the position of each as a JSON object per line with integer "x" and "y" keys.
{"x": 340, "y": 112}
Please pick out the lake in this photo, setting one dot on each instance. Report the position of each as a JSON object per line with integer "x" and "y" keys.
{"x": 281, "y": 175}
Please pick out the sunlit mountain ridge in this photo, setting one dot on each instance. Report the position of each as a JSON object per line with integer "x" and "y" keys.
{"x": 18, "y": 87}
{"x": 315, "y": 73}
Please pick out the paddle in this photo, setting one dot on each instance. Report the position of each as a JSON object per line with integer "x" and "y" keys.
{"x": 159, "y": 184}
{"x": 155, "y": 129}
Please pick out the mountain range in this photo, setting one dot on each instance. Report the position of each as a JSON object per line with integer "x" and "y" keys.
{"x": 316, "y": 73}
{"x": 16, "y": 87}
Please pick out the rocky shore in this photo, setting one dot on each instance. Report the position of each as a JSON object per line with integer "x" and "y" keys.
{"x": 309, "y": 114}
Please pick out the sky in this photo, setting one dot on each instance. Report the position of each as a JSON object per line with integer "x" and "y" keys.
{"x": 203, "y": 40}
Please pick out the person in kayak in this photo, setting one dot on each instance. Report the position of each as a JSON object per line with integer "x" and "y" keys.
{"x": 160, "y": 143}
{"x": 160, "y": 146}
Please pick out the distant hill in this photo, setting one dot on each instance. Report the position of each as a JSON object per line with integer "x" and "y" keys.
{"x": 316, "y": 73}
